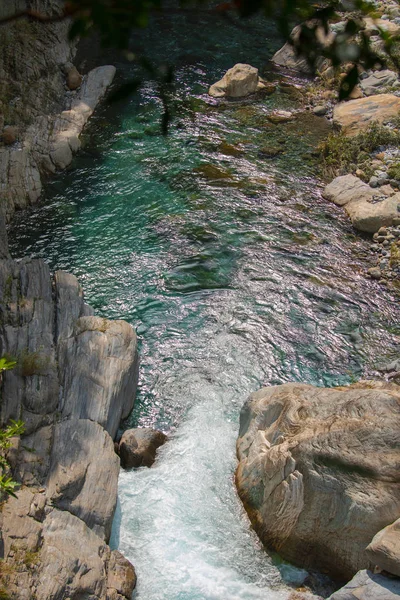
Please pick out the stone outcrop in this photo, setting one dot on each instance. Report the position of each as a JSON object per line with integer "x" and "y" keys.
{"x": 44, "y": 103}
{"x": 242, "y": 80}
{"x": 368, "y": 208}
{"x": 138, "y": 447}
{"x": 355, "y": 115}
{"x": 384, "y": 550}
{"x": 75, "y": 379}
{"x": 367, "y": 586}
{"x": 377, "y": 80}
{"x": 319, "y": 470}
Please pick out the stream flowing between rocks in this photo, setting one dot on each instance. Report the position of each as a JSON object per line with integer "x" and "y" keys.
{"x": 235, "y": 273}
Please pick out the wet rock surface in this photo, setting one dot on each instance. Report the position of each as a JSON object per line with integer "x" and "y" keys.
{"x": 318, "y": 471}
{"x": 138, "y": 447}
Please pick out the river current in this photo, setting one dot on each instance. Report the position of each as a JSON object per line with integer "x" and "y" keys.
{"x": 215, "y": 243}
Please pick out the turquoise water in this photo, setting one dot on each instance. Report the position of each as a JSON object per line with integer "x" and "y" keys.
{"x": 235, "y": 273}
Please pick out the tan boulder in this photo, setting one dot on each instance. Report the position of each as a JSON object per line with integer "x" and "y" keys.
{"x": 9, "y": 135}
{"x": 384, "y": 550}
{"x": 355, "y": 115}
{"x": 319, "y": 469}
{"x": 368, "y": 208}
{"x": 371, "y": 216}
{"x": 73, "y": 78}
{"x": 239, "y": 81}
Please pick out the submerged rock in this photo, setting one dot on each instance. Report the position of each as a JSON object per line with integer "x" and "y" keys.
{"x": 242, "y": 80}
{"x": 319, "y": 469}
{"x": 355, "y": 115}
{"x": 138, "y": 447}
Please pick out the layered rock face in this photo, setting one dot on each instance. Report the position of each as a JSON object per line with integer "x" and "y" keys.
{"x": 319, "y": 471}
{"x": 40, "y": 117}
{"x": 75, "y": 379}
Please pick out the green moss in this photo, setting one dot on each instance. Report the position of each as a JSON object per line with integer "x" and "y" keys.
{"x": 394, "y": 171}
{"x": 230, "y": 149}
{"x": 32, "y": 363}
{"x": 212, "y": 172}
{"x": 394, "y": 260}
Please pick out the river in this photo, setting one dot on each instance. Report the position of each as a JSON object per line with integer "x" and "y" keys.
{"x": 235, "y": 273}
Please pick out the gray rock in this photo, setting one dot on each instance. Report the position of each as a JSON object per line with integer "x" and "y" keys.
{"x": 367, "y": 586}
{"x": 84, "y": 474}
{"x": 384, "y": 550}
{"x": 287, "y": 57}
{"x": 138, "y": 447}
{"x": 318, "y": 471}
{"x": 377, "y": 80}
{"x": 73, "y": 560}
{"x": 70, "y": 465}
{"x": 99, "y": 374}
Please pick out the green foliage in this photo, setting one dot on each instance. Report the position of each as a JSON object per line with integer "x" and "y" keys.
{"x": 340, "y": 152}
{"x": 13, "y": 429}
{"x": 7, "y": 363}
{"x": 8, "y": 485}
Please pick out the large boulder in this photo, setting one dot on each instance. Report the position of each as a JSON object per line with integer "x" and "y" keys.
{"x": 138, "y": 447}
{"x": 288, "y": 58}
{"x": 239, "y": 81}
{"x": 371, "y": 216}
{"x": 384, "y": 550}
{"x": 367, "y": 586}
{"x": 369, "y": 209}
{"x": 355, "y": 115}
{"x": 319, "y": 470}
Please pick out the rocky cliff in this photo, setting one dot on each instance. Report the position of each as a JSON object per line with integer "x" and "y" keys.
{"x": 74, "y": 381}
{"x": 76, "y": 373}
{"x": 42, "y": 110}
